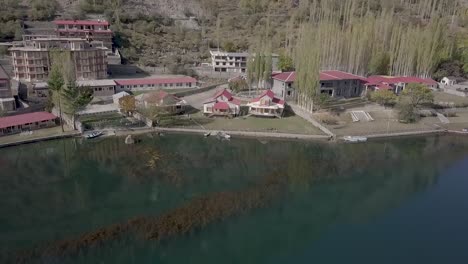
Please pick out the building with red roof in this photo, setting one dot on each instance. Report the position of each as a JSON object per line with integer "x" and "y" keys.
{"x": 334, "y": 83}
{"x": 267, "y": 104}
{"x": 222, "y": 103}
{"x": 396, "y": 83}
{"x": 98, "y": 30}
{"x": 145, "y": 84}
{"x": 162, "y": 100}
{"x": 26, "y": 122}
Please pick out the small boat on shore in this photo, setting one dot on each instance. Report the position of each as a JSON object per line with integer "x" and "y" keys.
{"x": 207, "y": 134}
{"x": 353, "y": 139}
{"x": 222, "y": 135}
{"x": 94, "y": 135}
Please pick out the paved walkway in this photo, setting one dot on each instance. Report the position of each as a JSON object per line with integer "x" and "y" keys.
{"x": 307, "y": 116}
{"x": 443, "y": 119}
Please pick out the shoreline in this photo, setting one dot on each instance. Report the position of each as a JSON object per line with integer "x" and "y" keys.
{"x": 244, "y": 134}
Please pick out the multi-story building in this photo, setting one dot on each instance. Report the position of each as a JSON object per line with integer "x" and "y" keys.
{"x": 222, "y": 61}
{"x": 91, "y": 30}
{"x": 32, "y": 61}
{"x": 336, "y": 84}
{"x": 229, "y": 61}
{"x": 7, "y": 101}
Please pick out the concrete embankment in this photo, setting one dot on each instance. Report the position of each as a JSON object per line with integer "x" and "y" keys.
{"x": 232, "y": 133}
{"x": 39, "y": 139}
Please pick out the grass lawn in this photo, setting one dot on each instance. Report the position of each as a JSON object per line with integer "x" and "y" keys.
{"x": 445, "y": 97}
{"x": 40, "y": 133}
{"x": 290, "y": 124}
{"x": 384, "y": 122}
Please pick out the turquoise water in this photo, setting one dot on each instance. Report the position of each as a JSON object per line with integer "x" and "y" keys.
{"x": 391, "y": 201}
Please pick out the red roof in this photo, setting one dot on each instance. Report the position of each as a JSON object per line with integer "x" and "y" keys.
{"x": 226, "y": 94}
{"x": 221, "y": 106}
{"x": 156, "y": 81}
{"x": 324, "y": 76}
{"x": 82, "y": 22}
{"x": 378, "y": 79}
{"x": 18, "y": 120}
{"x": 287, "y": 77}
{"x": 271, "y": 95}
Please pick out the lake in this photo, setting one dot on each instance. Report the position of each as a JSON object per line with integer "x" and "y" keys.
{"x": 188, "y": 199}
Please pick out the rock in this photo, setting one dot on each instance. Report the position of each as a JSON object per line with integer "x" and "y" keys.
{"x": 129, "y": 140}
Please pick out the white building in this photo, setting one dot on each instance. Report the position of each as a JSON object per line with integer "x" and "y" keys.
{"x": 229, "y": 61}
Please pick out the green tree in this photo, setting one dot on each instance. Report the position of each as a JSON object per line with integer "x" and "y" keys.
{"x": 379, "y": 64}
{"x": 238, "y": 85}
{"x": 285, "y": 62}
{"x": 55, "y": 84}
{"x": 76, "y": 98}
{"x": 406, "y": 112}
{"x": 43, "y": 9}
{"x": 384, "y": 97}
{"x": 417, "y": 94}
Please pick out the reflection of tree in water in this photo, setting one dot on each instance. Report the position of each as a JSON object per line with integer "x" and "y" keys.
{"x": 325, "y": 184}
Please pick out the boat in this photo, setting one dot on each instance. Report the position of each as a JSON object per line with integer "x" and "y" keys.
{"x": 94, "y": 135}
{"x": 207, "y": 134}
{"x": 353, "y": 139}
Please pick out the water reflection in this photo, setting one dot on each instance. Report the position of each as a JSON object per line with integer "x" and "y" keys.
{"x": 64, "y": 191}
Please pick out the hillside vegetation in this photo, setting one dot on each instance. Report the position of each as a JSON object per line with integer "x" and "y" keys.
{"x": 408, "y": 37}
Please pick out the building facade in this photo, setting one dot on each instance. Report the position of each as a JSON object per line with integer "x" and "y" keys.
{"x": 336, "y": 84}
{"x": 91, "y": 30}
{"x": 229, "y": 61}
{"x": 32, "y": 62}
{"x": 267, "y": 105}
{"x": 100, "y": 88}
{"x": 26, "y": 122}
{"x": 162, "y": 100}
{"x": 7, "y": 101}
{"x": 147, "y": 84}
{"x": 396, "y": 83}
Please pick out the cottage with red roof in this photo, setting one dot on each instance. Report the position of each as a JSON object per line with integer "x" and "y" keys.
{"x": 267, "y": 104}
{"x": 162, "y": 100}
{"x": 337, "y": 84}
{"x": 396, "y": 83}
{"x": 26, "y": 122}
{"x": 222, "y": 104}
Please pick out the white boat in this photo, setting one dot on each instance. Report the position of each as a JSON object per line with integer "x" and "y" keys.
{"x": 353, "y": 139}
{"x": 94, "y": 135}
{"x": 222, "y": 135}
{"x": 207, "y": 134}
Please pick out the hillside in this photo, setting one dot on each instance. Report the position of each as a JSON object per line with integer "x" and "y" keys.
{"x": 169, "y": 32}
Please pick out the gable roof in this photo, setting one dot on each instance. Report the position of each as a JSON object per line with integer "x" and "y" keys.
{"x": 18, "y": 120}
{"x": 379, "y": 79}
{"x": 271, "y": 95}
{"x": 226, "y": 94}
{"x": 290, "y": 77}
{"x": 158, "y": 96}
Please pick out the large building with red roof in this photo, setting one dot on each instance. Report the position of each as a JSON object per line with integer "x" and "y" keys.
{"x": 396, "y": 83}
{"x": 91, "y": 30}
{"x": 26, "y": 122}
{"x": 222, "y": 104}
{"x": 267, "y": 105}
{"x": 337, "y": 84}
